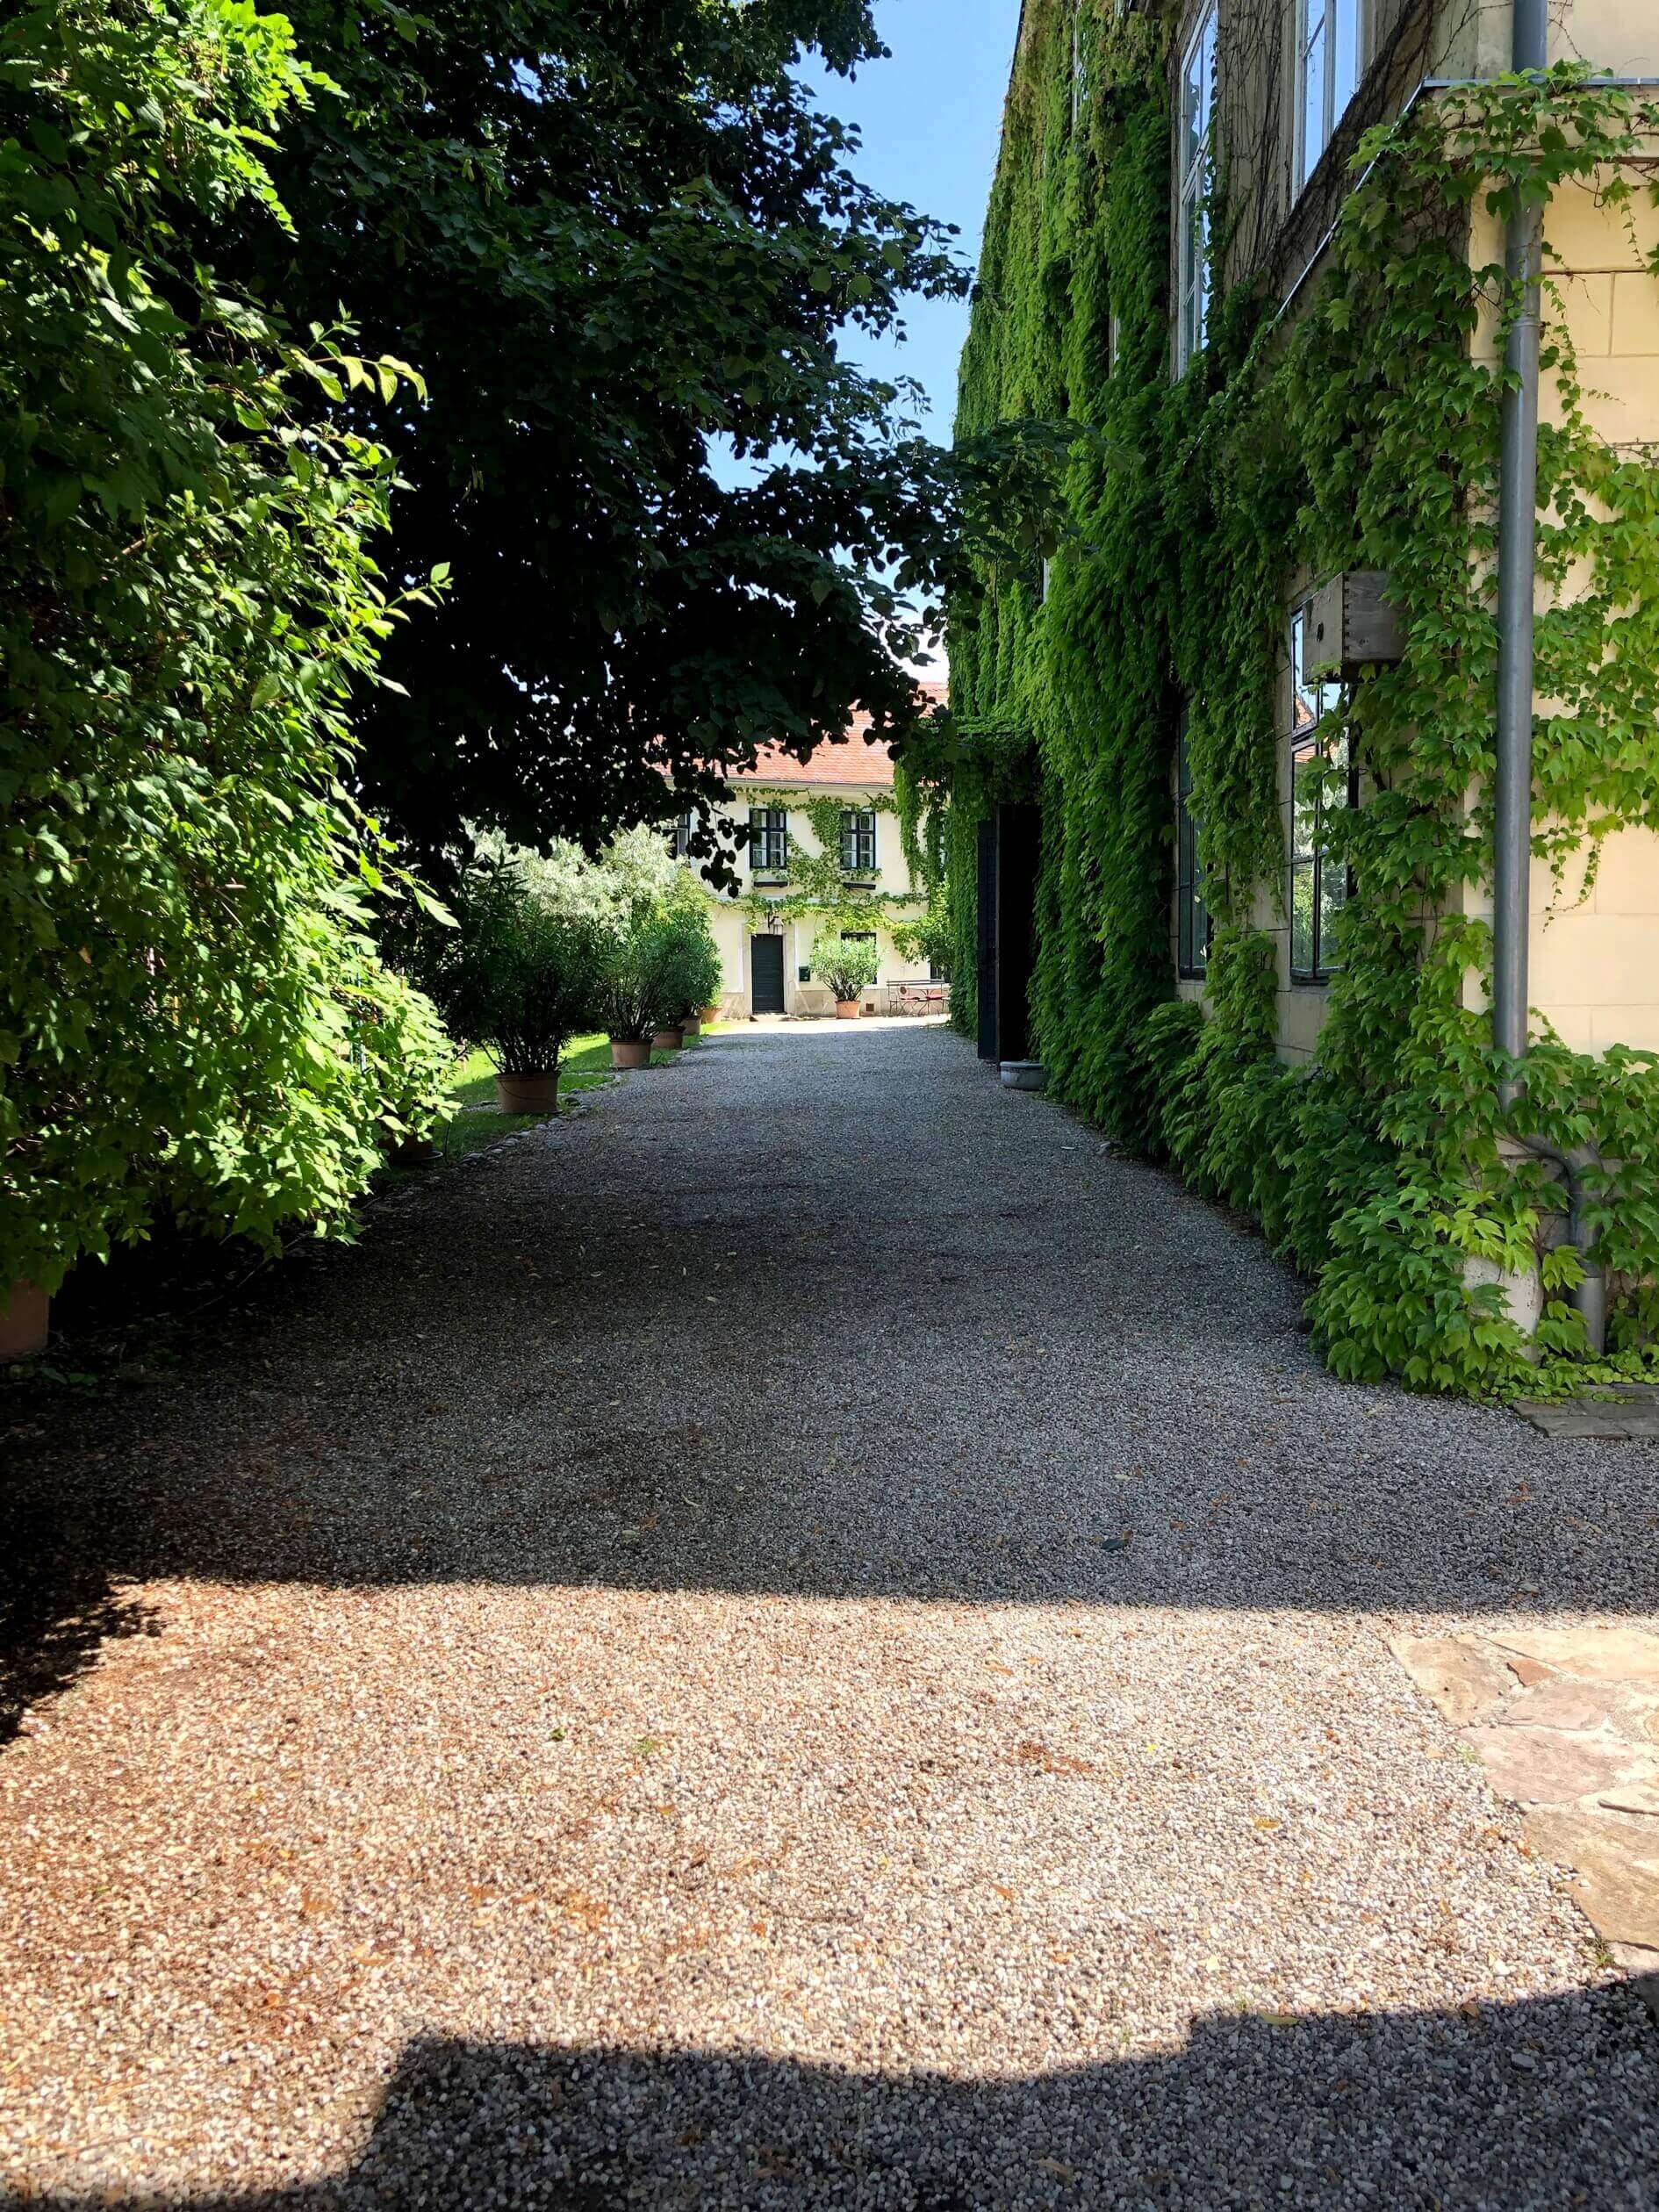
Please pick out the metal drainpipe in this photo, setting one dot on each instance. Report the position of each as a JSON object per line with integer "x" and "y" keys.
{"x": 1512, "y": 791}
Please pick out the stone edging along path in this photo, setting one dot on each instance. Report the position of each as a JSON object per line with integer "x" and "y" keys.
{"x": 1565, "y": 1722}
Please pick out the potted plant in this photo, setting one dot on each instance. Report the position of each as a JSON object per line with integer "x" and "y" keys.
{"x": 520, "y": 981}
{"x": 693, "y": 964}
{"x": 848, "y": 966}
{"x": 635, "y": 986}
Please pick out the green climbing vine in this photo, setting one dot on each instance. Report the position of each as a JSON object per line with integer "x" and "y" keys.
{"x": 819, "y": 887}
{"x": 1359, "y": 432}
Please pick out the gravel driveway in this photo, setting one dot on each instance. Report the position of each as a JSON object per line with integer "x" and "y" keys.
{"x": 807, "y": 1637}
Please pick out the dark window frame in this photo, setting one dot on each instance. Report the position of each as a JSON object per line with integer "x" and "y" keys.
{"x": 683, "y": 834}
{"x": 857, "y": 837}
{"x": 1195, "y": 928}
{"x": 768, "y": 840}
{"x": 868, "y": 936}
{"x": 1329, "y": 884}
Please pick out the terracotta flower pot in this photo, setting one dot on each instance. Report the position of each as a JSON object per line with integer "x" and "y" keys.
{"x": 711, "y": 1013}
{"x": 666, "y": 1041}
{"x": 630, "y": 1051}
{"x": 846, "y": 1010}
{"x": 527, "y": 1094}
{"x": 690, "y": 1027}
{"x": 26, "y": 1321}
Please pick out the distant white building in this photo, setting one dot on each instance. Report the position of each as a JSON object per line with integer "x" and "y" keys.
{"x": 822, "y": 829}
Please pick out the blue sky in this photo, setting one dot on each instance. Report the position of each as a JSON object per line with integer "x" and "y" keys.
{"x": 930, "y": 120}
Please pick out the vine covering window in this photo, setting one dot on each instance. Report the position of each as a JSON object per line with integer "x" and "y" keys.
{"x": 1192, "y": 916}
{"x": 1319, "y": 765}
{"x": 858, "y": 839}
{"x": 768, "y": 839}
{"x": 1192, "y": 215}
{"x": 1328, "y": 45}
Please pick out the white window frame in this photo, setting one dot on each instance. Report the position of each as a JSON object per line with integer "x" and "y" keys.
{"x": 1195, "y": 123}
{"x": 1329, "y": 62}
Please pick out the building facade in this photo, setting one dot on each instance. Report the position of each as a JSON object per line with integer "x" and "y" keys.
{"x": 1293, "y": 116}
{"x": 823, "y": 853}
{"x": 1322, "y": 614}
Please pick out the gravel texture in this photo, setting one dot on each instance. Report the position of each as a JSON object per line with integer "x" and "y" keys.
{"x": 810, "y": 1637}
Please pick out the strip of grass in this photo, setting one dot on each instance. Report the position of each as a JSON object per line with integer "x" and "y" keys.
{"x": 474, "y": 1121}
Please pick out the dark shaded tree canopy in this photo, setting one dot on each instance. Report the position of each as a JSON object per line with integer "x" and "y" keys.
{"x": 607, "y": 231}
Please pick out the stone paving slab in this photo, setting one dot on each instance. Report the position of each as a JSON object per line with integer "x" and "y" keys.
{"x": 1620, "y": 1413}
{"x": 1566, "y": 1722}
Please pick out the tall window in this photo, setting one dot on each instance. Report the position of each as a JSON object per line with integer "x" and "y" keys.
{"x": 1192, "y": 219}
{"x": 768, "y": 840}
{"x": 1321, "y": 776}
{"x": 1192, "y": 916}
{"x": 1079, "y": 70}
{"x": 858, "y": 839}
{"x": 682, "y": 836}
{"x": 1329, "y": 45}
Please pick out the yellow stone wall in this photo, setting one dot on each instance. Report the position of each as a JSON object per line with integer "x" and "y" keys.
{"x": 1595, "y": 950}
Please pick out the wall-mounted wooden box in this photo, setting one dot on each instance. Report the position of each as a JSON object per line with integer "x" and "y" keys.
{"x": 1351, "y": 625}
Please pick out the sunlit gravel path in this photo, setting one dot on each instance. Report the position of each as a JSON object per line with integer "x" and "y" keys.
{"x": 808, "y": 1636}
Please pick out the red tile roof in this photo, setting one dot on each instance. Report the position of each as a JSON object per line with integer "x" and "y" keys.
{"x": 856, "y": 758}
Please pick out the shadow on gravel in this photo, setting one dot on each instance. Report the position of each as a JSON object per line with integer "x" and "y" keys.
{"x": 1533, "y": 2106}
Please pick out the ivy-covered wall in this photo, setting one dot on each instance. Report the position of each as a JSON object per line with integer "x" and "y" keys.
{"x": 1362, "y": 432}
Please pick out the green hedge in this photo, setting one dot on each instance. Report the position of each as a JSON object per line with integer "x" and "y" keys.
{"x": 192, "y": 1016}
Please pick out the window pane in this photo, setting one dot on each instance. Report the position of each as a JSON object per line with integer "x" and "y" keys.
{"x": 1346, "y": 71}
{"x": 1302, "y": 894}
{"x": 1194, "y": 277}
{"x": 1315, "y": 125}
{"x": 1197, "y": 87}
{"x": 1192, "y": 108}
{"x": 1307, "y": 770}
{"x": 1197, "y": 108}
{"x": 1305, "y": 696}
{"x": 1333, "y": 892}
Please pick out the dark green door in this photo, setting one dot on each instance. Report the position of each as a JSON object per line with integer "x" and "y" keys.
{"x": 766, "y": 994}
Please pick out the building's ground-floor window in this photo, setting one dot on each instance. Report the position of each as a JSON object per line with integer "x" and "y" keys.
{"x": 1192, "y": 916}
{"x": 682, "y": 836}
{"x": 863, "y": 936}
{"x": 1321, "y": 776}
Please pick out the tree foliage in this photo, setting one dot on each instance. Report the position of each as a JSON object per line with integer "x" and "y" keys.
{"x": 191, "y": 1014}
{"x": 611, "y": 236}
